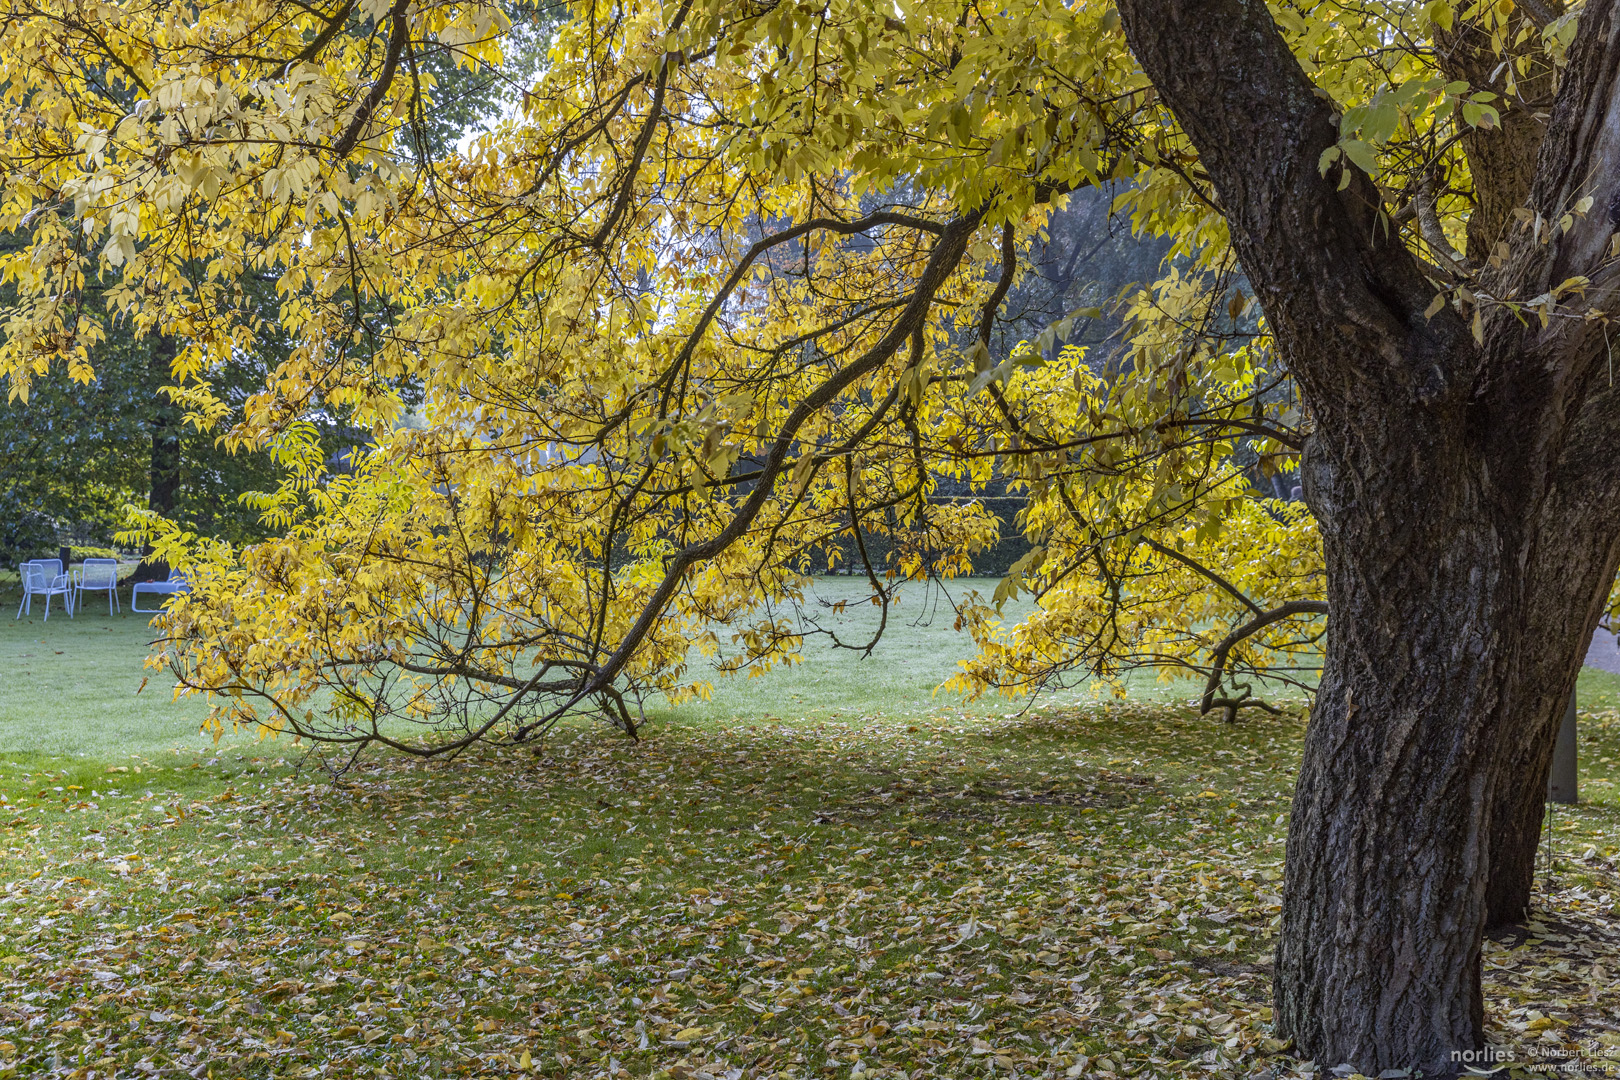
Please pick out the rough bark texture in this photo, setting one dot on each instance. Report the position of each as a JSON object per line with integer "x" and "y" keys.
{"x": 1517, "y": 820}
{"x": 1579, "y": 155}
{"x": 1515, "y": 839}
{"x": 1467, "y": 505}
{"x": 1501, "y": 161}
{"x": 1430, "y": 719}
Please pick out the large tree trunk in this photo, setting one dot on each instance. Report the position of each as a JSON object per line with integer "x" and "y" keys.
{"x": 1468, "y": 496}
{"x": 1461, "y": 597}
{"x": 1521, "y": 806}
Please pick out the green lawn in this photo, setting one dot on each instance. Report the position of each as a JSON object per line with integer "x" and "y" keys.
{"x": 918, "y": 651}
{"x": 828, "y": 872}
{"x": 78, "y": 687}
{"x": 74, "y": 688}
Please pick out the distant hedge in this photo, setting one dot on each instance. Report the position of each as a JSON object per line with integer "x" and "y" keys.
{"x": 82, "y": 553}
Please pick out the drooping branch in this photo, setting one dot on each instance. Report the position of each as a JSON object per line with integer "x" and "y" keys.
{"x": 1223, "y": 652}
{"x": 1287, "y": 437}
{"x": 942, "y": 262}
{"x": 785, "y": 236}
{"x": 1009, "y": 266}
{"x": 1203, "y": 571}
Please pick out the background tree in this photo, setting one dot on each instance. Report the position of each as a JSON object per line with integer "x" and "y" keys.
{"x": 74, "y": 456}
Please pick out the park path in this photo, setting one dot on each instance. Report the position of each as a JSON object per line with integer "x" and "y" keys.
{"x": 1603, "y": 653}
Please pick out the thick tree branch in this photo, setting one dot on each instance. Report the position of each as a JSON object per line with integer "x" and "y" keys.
{"x": 655, "y": 112}
{"x": 399, "y": 31}
{"x": 1341, "y": 293}
{"x": 1575, "y": 198}
{"x": 1501, "y": 160}
{"x": 1425, "y": 206}
{"x": 328, "y": 32}
{"x": 1579, "y": 159}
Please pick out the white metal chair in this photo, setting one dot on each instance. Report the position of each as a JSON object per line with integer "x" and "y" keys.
{"x": 25, "y": 576}
{"x": 97, "y": 575}
{"x": 174, "y": 583}
{"x": 37, "y": 582}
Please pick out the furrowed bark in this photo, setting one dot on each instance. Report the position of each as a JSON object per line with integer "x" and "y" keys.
{"x": 1501, "y": 160}
{"x": 1515, "y": 838}
{"x": 1342, "y": 296}
{"x": 1578, "y": 158}
{"x": 1581, "y": 507}
{"x": 1428, "y": 725}
{"x": 1467, "y": 514}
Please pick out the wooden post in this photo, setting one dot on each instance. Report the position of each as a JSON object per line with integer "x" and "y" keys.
{"x": 1561, "y": 781}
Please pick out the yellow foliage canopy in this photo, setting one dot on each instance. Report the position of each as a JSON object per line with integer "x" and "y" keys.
{"x": 714, "y": 298}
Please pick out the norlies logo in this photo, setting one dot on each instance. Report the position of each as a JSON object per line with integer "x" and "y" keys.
{"x": 1485, "y": 1054}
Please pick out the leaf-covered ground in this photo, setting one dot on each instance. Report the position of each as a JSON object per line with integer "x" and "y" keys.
{"x": 1080, "y": 893}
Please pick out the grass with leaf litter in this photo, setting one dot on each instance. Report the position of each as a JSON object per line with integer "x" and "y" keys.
{"x": 1089, "y": 890}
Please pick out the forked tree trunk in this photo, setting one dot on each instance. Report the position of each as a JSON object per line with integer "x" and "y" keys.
{"x": 1461, "y": 597}
{"x": 1468, "y": 495}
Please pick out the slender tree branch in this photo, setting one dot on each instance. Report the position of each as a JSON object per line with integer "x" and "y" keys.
{"x": 399, "y": 31}
{"x": 1224, "y": 650}
{"x": 1204, "y": 571}
{"x": 655, "y": 112}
